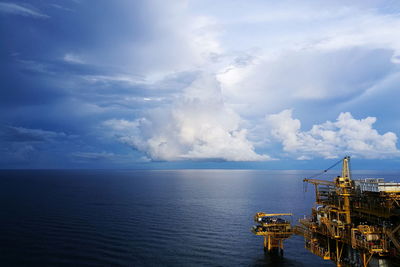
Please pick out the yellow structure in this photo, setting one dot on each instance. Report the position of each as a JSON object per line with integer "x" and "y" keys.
{"x": 353, "y": 220}
{"x": 274, "y": 229}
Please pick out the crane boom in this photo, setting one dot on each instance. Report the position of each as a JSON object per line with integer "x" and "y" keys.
{"x": 318, "y": 182}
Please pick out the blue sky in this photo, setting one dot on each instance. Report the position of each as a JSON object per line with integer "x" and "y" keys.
{"x": 199, "y": 84}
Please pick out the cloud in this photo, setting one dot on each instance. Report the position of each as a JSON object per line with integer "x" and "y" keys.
{"x": 104, "y": 157}
{"x": 35, "y": 66}
{"x": 140, "y": 37}
{"x": 266, "y": 85}
{"x": 27, "y": 146}
{"x": 121, "y": 68}
{"x": 61, "y": 7}
{"x": 16, "y": 152}
{"x": 21, "y": 134}
{"x": 305, "y": 54}
{"x": 110, "y": 79}
{"x": 333, "y": 139}
{"x": 99, "y": 156}
{"x": 197, "y": 126}
{"x": 93, "y": 155}
{"x": 73, "y": 58}
{"x": 15, "y": 9}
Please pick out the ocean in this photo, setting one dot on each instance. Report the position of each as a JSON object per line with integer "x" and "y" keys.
{"x": 149, "y": 218}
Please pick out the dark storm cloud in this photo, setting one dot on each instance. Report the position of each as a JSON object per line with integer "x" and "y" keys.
{"x": 25, "y": 147}
{"x": 39, "y": 79}
{"x": 62, "y": 69}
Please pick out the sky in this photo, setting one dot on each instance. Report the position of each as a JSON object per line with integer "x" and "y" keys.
{"x": 199, "y": 84}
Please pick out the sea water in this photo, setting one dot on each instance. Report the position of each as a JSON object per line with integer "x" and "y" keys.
{"x": 148, "y": 218}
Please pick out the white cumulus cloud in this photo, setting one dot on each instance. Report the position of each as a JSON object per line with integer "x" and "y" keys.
{"x": 346, "y": 135}
{"x": 197, "y": 126}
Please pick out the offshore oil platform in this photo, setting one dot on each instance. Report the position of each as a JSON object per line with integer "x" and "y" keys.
{"x": 274, "y": 229}
{"x": 351, "y": 222}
